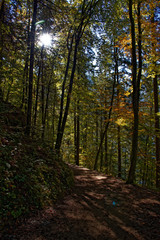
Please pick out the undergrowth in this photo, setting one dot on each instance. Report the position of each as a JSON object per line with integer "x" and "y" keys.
{"x": 30, "y": 176}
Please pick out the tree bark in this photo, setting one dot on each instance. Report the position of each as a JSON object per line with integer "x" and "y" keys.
{"x": 119, "y": 153}
{"x": 46, "y": 110}
{"x": 157, "y": 131}
{"x": 86, "y": 12}
{"x": 32, "y": 39}
{"x": 64, "y": 83}
{"x": 2, "y": 15}
{"x": 106, "y": 152}
{"x": 37, "y": 95}
{"x": 118, "y": 106}
{"x": 101, "y": 133}
{"x": 61, "y": 132}
{"x": 136, "y": 91}
{"x": 9, "y": 89}
{"x": 106, "y": 126}
{"x": 25, "y": 73}
{"x": 76, "y": 133}
{"x": 156, "y": 103}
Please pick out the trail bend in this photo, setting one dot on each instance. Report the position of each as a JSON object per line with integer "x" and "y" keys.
{"x": 100, "y": 207}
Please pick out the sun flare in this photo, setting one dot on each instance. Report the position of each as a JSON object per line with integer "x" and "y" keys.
{"x": 45, "y": 40}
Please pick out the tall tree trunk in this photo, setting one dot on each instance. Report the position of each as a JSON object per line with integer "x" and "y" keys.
{"x": 106, "y": 141}
{"x": 46, "y": 110}
{"x": 42, "y": 92}
{"x": 97, "y": 130}
{"x": 119, "y": 153}
{"x": 101, "y": 134}
{"x": 157, "y": 131}
{"x": 118, "y": 105}
{"x": 86, "y": 12}
{"x": 36, "y": 100}
{"x": 53, "y": 115}
{"x": 25, "y": 71}
{"x": 2, "y": 8}
{"x": 156, "y": 101}
{"x": 32, "y": 39}
{"x": 25, "y": 78}
{"x": 136, "y": 89}
{"x": 76, "y": 133}
{"x": 61, "y": 132}
{"x": 69, "y": 46}
{"x": 9, "y": 89}
{"x": 2, "y": 15}
{"x": 106, "y": 126}
{"x": 106, "y": 152}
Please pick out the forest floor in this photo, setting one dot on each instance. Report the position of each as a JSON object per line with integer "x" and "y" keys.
{"x": 99, "y": 207}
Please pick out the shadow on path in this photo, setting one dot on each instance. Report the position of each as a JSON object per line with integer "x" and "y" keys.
{"x": 100, "y": 207}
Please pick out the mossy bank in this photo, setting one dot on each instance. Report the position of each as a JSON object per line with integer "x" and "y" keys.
{"x": 30, "y": 176}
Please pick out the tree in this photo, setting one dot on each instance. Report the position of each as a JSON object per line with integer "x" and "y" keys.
{"x": 32, "y": 40}
{"x": 156, "y": 99}
{"x": 86, "y": 11}
{"x": 106, "y": 125}
{"x": 111, "y": 123}
{"x": 136, "y": 86}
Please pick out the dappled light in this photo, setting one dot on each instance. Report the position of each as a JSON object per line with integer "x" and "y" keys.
{"x": 96, "y": 209}
{"x": 79, "y": 120}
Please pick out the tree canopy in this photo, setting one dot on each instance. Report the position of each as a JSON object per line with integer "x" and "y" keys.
{"x": 93, "y": 93}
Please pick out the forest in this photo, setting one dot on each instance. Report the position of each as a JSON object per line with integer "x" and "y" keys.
{"x": 82, "y": 78}
{"x": 86, "y": 75}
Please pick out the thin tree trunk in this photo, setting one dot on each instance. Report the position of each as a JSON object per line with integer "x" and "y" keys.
{"x": 106, "y": 152}
{"x": 106, "y": 127}
{"x": 78, "y": 134}
{"x": 97, "y": 128}
{"x": 42, "y": 92}
{"x": 156, "y": 106}
{"x": 53, "y": 116}
{"x": 46, "y": 110}
{"x": 106, "y": 159}
{"x": 9, "y": 89}
{"x": 119, "y": 152}
{"x": 118, "y": 105}
{"x": 157, "y": 131}
{"x": 87, "y": 11}
{"x": 61, "y": 132}
{"x": 32, "y": 39}
{"x": 25, "y": 74}
{"x": 101, "y": 133}
{"x": 2, "y": 14}
{"x": 64, "y": 83}
{"x": 136, "y": 87}
{"x": 36, "y": 100}
{"x": 24, "y": 84}
{"x": 2, "y": 8}
{"x": 75, "y": 134}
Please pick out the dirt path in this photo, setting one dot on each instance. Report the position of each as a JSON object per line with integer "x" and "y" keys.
{"x": 100, "y": 207}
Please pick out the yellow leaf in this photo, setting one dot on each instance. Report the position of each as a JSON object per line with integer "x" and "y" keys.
{"x": 121, "y": 122}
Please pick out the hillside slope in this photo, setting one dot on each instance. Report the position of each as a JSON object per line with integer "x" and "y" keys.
{"x": 30, "y": 175}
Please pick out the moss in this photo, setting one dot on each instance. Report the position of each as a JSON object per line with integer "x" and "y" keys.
{"x": 30, "y": 175}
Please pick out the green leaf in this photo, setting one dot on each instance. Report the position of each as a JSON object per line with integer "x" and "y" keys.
{"x": 39, "y": 22}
